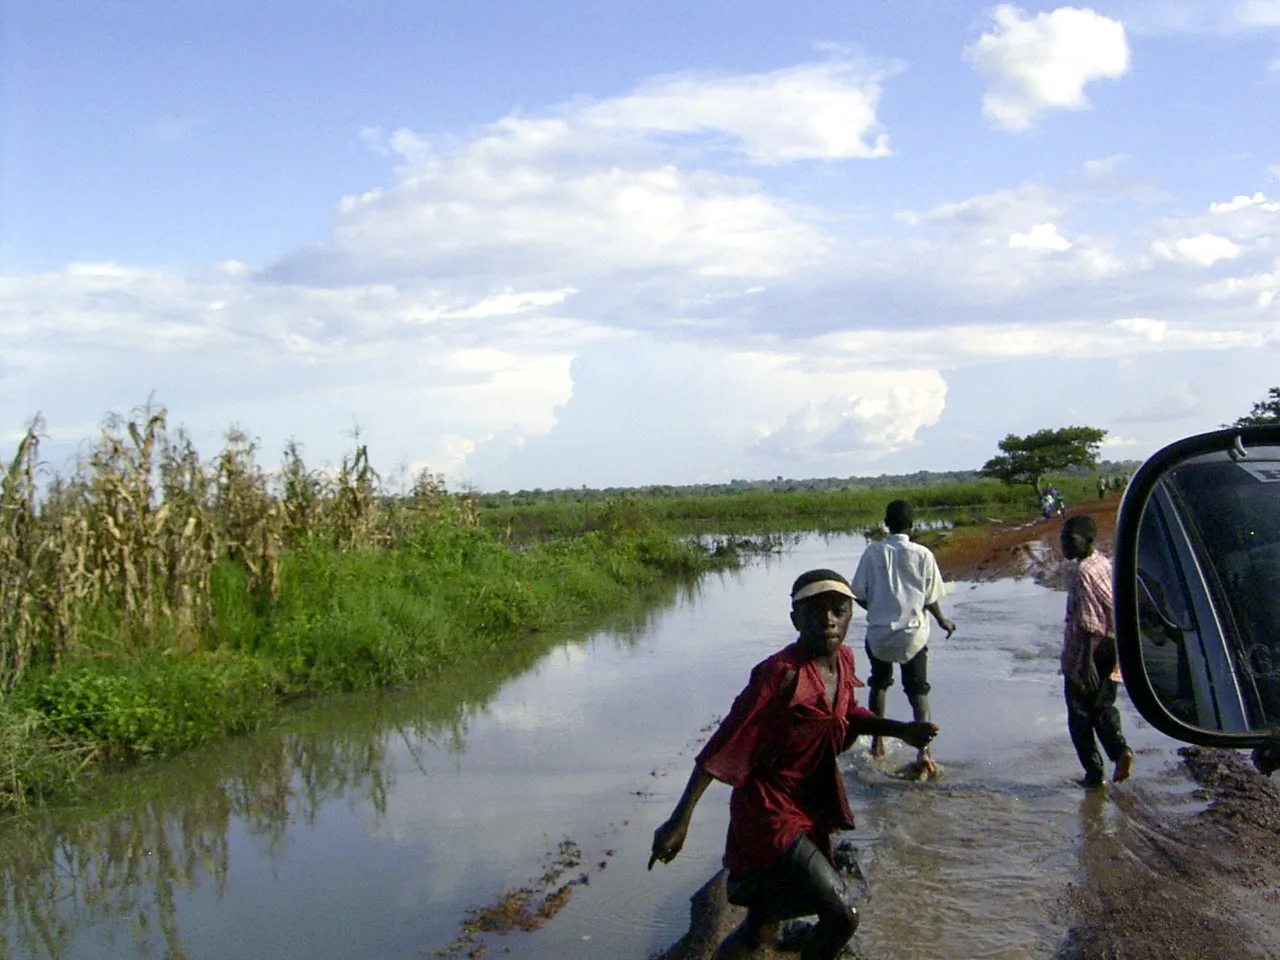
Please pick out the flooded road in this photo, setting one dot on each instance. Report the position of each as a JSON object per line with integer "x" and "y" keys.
{"x": 375, "y": 826}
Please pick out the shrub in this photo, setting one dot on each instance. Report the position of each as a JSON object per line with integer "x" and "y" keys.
{"x": 155, "y": 707}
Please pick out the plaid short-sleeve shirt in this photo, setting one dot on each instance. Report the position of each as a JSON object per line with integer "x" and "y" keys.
{"x": 1089, "y": 617}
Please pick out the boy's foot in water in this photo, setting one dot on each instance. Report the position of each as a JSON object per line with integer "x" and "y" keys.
{"x": 926, "y": 769}
{"x": 1124, "y": 766}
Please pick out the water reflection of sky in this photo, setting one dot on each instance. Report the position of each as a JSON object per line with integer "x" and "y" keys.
{"x": 418, "y": 810}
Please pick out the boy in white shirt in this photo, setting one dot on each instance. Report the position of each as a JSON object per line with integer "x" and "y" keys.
{"x": 897, "y": 582}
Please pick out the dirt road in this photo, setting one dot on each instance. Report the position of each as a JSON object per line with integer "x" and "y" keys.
{"x": 1015, "y": 549}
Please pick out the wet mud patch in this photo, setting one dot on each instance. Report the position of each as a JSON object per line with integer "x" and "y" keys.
{"x": 525, "y": 909}
{"x": 1199, "y": 887}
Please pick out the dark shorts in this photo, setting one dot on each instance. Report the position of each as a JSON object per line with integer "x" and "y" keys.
{"x": 915, "y": 673}
{"x": 802, "y": 883}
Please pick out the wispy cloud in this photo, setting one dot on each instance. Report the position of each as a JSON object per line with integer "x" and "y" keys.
{"x": 822, "y": 111}
{"x": 1220, "y": 17}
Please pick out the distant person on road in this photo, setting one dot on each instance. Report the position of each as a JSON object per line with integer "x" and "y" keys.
{"x": 1090, "y": 667}
{"x": 777, "y": 748}
{"x": 897, "y": 582}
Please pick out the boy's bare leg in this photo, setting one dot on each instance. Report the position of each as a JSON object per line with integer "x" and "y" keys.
{"x": 876, "y": 703}
{"x": 924, "y": 760}
{"x": 746, "y": 941}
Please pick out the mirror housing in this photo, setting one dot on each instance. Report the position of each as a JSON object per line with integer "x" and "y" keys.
{"x": 1197, "y": 588}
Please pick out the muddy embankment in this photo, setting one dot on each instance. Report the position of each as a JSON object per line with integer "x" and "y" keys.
{"x": 1202, "y": 883}
{"x": 1017, "y": 549}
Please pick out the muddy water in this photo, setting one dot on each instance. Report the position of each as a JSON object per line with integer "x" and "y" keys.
{"x": 375, "y": 826}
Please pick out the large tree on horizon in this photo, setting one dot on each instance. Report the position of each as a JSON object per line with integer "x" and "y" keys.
{"x": 1028, "y": 459}
{"x": 1266, "y": 410}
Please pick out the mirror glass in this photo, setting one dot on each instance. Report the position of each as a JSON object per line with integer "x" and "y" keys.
{"x": 1208, "y": 590}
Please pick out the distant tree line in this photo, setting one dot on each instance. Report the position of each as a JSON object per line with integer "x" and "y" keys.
{"x": 921, "y": 478}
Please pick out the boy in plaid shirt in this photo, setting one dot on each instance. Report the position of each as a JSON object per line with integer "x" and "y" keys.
{"x": 1090, "y": 668}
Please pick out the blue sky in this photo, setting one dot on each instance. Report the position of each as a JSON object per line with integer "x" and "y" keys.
{"x": 617, "y": 244}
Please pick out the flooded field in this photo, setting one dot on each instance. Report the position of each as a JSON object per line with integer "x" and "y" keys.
{"x": 510, "y": 809}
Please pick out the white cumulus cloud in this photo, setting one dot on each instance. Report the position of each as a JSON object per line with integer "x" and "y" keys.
{"x": 1202, "y": 250}
{"x": 1153, "y": 330}
{"x": 1243, "y": 201}
{"x": 1043, "y": 62}
{"x": 594, "y": 187}
{"x": 1043, "y": 237}
{"x": 1262, "y": 286}
{"x": 882, "y": 415}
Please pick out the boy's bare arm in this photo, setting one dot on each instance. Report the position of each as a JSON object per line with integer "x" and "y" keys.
{"x": 916, "y": 733}
{"x": 946, "y": 624}
{"x": 669, "y": 838}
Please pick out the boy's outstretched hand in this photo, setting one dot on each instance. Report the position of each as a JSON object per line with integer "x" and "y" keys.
{"x": 667, "y": 841}
{"x": 918, "y": 733}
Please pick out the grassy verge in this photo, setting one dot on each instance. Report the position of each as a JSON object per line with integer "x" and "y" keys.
{"x": 342, "y": 620}
{"x": 966, "y": 502}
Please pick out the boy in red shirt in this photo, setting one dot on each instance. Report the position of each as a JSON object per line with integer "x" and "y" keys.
{"x": 777, "y": 748}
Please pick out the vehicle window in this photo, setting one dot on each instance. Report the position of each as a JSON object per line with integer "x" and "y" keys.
{"x": 1234, "y": 509}
{"x": 1166, "y": 623}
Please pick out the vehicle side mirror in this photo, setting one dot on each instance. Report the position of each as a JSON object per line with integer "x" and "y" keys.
{"x": 1197, "y": 588}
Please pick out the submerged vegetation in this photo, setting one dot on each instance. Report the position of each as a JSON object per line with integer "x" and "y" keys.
{"x": 154, "y": 601}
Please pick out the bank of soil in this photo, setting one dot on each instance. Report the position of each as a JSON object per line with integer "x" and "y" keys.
{"x": 1018, "y": 549}
{"x": 1200, "y": 884}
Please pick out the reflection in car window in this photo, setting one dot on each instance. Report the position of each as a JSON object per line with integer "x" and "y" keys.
{"x": 1166, "y": 624}
{"x": 1235, "y": 511}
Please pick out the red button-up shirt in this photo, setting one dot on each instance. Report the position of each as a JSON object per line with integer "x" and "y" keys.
{"x": 777, "y": 748}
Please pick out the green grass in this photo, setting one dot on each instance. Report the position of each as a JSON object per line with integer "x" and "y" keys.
{"x": 158, "y": 706}
{"x": 343, "y": 620}
{"x": 830, "y": 509}
{"x": 38, "y": 765}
